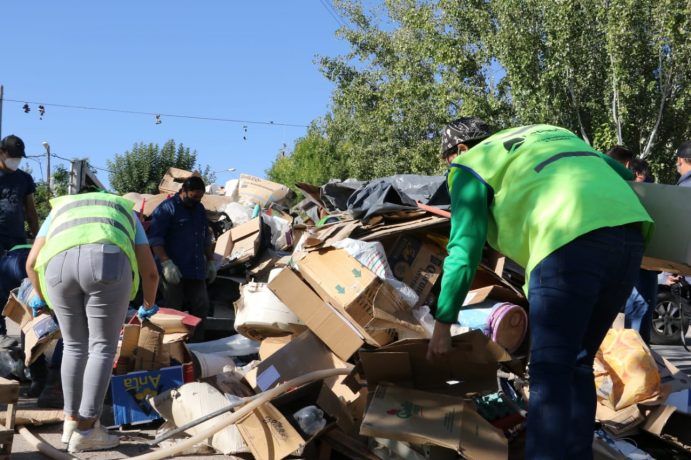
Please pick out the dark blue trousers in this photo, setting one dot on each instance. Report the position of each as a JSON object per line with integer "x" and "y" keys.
{"x": 575, "y": 293}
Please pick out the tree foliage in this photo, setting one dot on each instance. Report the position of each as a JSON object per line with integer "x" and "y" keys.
{"x": 42, "y": 195}
{"x": 613, "y": 71}
{"x": 141, "y": 168}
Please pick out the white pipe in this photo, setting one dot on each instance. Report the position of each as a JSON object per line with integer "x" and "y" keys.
{"x": 41, "y": 446}
{"x": 213, "y": 429}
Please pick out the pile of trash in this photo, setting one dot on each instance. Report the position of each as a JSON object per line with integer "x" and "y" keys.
{"x": 346, "y": 282}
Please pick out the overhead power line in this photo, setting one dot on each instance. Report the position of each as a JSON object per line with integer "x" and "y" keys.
{"x": 327, "y": 6}
{"x": 159, "y": 115}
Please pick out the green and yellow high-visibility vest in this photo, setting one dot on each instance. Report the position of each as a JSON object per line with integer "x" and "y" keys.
{"x": 89, "y": 218}
{"x": 547, "y": 187}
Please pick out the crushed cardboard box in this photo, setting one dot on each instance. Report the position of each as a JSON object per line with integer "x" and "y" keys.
{"x": 39, "y": 332}
{"x": 372, "y": 304}
{"x": 260, "y": 191}
{"x": 429, "y": 418}
{"x": 16, "y": 310}
{"x": 240, "y": 244}
{"x": 418, "y": 263}
{"x": 172, "y": 180}
{"x": 471, "y": 365}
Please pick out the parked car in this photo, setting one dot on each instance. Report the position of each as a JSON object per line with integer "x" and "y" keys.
{"x": 671, "y": 314}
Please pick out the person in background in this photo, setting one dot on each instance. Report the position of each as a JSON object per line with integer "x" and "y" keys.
{"x": 547, "y": 200}
{"x": 85, "y": 265}
{"x": 182, "y": 243}
{"x": 638, "y": 309}
{"x": 683, "y": 163}
{"x": 16, "y": 207}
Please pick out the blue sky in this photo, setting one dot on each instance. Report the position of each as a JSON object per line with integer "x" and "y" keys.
{"x": 236, "y": 60}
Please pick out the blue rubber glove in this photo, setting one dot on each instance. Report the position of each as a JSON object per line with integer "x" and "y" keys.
{"x": 37, "y": 304}
{"x": 146, "y": 313}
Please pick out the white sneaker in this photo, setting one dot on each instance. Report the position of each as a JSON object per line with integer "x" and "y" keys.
{"x": 96, "y": 438}
{"x": 67, "y": 429}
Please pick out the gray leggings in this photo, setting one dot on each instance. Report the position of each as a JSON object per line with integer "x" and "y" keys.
{"x": 89, "y": 288}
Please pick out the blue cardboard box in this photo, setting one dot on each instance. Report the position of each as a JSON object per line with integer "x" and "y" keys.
{"x": 131, "y": 390}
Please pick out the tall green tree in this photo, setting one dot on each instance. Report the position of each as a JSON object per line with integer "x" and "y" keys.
{"x": 141, "y": 168}
{"x": 43, "y": 195}
{"x": 612, "y": 71}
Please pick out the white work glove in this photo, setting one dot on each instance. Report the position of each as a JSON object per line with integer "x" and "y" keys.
{"x": 211, "y": 271}
{"x": 171, "y": 272}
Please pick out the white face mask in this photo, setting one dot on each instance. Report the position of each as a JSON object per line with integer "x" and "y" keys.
{"x": 12, "y": 163}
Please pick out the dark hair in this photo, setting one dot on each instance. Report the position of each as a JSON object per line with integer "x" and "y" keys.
{"x": 620, "y": 153}
{"x": 640, "y": 166}
{"x": 193, "y": 183}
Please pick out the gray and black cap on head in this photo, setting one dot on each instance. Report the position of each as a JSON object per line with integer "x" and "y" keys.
{"x": 684, "y": 150}
{"x": 462, "y": 131}
{"x": 13, "y": 145}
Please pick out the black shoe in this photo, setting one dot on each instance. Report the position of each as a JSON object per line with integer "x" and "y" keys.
{"x": 51, "y": 397}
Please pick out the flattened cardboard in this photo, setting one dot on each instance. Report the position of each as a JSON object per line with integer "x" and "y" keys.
{"x": 16, "y": 310}
{"x": 260, "y": 191}
{"x": 472, "y": 362}
{"x": 350, "y": 287}
{"x": 149, "y": 346}
{"x": 38, "y": 333}
{"x": 323, "y": 320}
{"x": 260, "y": 430}
{"x": 429, "y": 418}
{"x": 268, "y": 434}
{"x": 304, "y": 354}
{"x": 418, "y": 263}
{"x": 670, "y": 208}
{"x": 670, "y": 425}
{"x": 494, "y": 292}
{"x": 172, "y": 180}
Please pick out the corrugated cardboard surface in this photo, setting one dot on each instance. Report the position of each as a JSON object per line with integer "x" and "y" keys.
{"x": 418, "y": 263}
{"x": 240, "y": 243}
{"x": 260, "y": 191}
{"x": 173, "y": 178}
{"x": 428, "y": 418}
{"x": 343, "y": 282}
{"x": 38, "y": 333}
{"x": 325, "y": 321}
{"x": 16, "y": 310}
{"x": 472, "y": 362}
{"x": 304, "y": 354}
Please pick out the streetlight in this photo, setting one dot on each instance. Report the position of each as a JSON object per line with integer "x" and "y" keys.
{"x": 46, "y": 146}
{"x": 225, "y": 170}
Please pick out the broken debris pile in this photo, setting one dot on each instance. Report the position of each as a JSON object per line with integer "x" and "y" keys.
{"x": 348, "y": 279}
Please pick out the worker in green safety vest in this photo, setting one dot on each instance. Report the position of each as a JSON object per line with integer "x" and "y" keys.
{"x": 85, "y": 265}
{"x": 543, "y": 197}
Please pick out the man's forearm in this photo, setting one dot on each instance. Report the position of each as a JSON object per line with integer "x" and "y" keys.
{"x": 160, "y": 253}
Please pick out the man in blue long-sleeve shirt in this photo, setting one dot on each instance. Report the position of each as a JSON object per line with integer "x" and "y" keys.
{"x": 181, "y": 241}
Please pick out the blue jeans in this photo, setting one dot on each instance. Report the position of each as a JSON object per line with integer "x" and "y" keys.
{"x": 575, "y": 293}
{"x": 640, "y": 304}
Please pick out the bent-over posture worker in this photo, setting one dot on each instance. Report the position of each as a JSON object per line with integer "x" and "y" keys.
{"x": 562, "y": 210}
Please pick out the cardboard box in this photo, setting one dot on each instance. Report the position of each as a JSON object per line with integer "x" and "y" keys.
{"x": 325, "y": 321}
{"x": 304, "y": 354}
{"x": 428, "y": 418}
{"x": 16, "y": 310}
{"x": 350, "y": 287}
{"x": 670, "y": 425}
{"x": 670, "y": 207}
{"x": 129, "y": 392}
{"x": 240, "y": 244}
{"x": 149, "y": 347}
{"x": 267, "y": 442}
{"x": 418, "y": 263}
{"x": 472, "y": 364}
{"x": 260, "y": 191}
{"x": 38, "y": 333}
{"x": 173, "y": 178}
{"x": 495, "y": 293}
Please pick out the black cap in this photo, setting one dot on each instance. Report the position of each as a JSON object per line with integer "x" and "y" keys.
{"x": 684, "y": 150}
{"x": 13, "y": 145}
{"x": 461, "y": 131}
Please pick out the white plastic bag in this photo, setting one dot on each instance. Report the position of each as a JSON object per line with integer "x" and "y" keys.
{"x": 373, "y": 256}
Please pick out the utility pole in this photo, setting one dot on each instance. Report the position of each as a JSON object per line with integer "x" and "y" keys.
{"x": 46, "y": 146}
{"x": 1, "y": 91}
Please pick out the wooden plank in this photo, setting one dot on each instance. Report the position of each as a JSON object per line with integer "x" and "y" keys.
{"x": 9, "y": 391}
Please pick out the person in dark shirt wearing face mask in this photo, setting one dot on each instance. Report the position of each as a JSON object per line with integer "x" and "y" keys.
{"x": 16, "y": 207}
{"x": 181, "y": 241}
